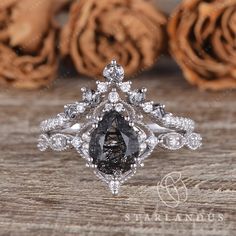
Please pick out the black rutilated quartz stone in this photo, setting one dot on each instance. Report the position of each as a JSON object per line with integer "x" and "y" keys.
{"x": 114, "y": 144}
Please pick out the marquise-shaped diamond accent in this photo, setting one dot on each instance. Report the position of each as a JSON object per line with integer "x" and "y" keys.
{"x": 173, "y": 141}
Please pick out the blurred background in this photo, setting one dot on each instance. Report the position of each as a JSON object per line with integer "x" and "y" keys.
{"x": 167, "y": 5}
{"x": 44, "y": 40}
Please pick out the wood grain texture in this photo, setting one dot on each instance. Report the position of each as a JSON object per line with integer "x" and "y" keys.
{"x": 55, "y": 194}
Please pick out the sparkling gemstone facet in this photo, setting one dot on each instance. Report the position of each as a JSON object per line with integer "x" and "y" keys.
{"x": 158, "y": 111}
{"x": 114, "y": 144}
{"x": 125, "y": 87}
{"x": 173, "y": 141}
{"x": 114, "y": 186}
{"x": 58, "y": 142}
{"x": 119, "y": 107}
{"x": 113, "y": 97}
{"x": 88, "y": 95}
{"x": 71, "y": 110}
{"x": 113, "y": 72}
{"x": 152, "y": 141}
{"x": 194, "y": 141}
{"x": 108, "y": 107}
{"x": 102, "y": 87}
{"x": 76, "y": 142}
{"x": 147, "y": 107}
{"x": 81, "y": 107}
{"x": 91, "y": 97}
{"x": 136, "y": 97}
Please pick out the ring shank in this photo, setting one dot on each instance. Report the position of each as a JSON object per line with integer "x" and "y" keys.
{"x": 75, "y": 128}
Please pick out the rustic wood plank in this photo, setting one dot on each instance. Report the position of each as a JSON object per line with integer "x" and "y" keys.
{"x": 54, "y": 194}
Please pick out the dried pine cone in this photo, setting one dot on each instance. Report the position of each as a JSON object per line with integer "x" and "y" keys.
{"x": 130, "y": 31}
{"x": 203, "y": 42}
{"x": 27, "y": 39}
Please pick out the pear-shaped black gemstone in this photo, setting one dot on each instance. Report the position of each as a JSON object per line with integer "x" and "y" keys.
{"x": 114, "y": 144}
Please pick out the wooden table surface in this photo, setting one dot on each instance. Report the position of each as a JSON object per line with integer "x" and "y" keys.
{"x": 55, "y": 194}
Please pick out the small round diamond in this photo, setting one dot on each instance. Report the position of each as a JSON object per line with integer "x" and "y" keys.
{"x": 90, "y": 96}
{"x": 125, "y": 87}
{"x": 114, "y": 186}
{"x": 152, "y": 141}
{"x": 87, "y": 95}
{"x": 119, "y": 107}
{"x": 76, "y": 142}
{"x": 136, "y": 97}
{"x": 108, "y": 107}
{"x": 158, "y": 111}
{"x": 113, "y": 97}
{"x": 148, "y": 107}
{"x": 80, "y": 107}
{"x": 71, "y": 110}
{"x": 86, "y": 137}
{"x": 194, "y": 141}
{"x": 102, "y": 87}
{"x": 113, "y": 72}
{"x": 143, "y": 146}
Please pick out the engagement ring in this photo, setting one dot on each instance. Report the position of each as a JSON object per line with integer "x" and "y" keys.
{"x": 114, "y": 128}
